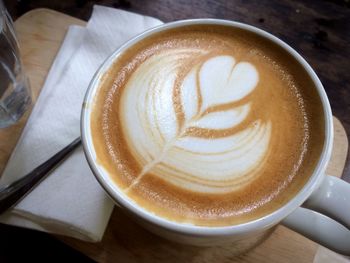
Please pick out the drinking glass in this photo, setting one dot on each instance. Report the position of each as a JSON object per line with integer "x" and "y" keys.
{"x": 15, "y": 94}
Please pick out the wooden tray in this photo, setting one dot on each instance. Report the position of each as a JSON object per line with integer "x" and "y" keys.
{"x": 40, "y": 34}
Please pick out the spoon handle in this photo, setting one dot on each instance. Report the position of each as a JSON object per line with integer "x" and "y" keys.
{"x": 12, "y": 193}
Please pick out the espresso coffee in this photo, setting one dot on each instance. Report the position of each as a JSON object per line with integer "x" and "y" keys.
{"x": 207, "y": 125}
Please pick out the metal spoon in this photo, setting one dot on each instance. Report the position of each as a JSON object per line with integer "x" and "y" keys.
{"x": 12, "y": 193}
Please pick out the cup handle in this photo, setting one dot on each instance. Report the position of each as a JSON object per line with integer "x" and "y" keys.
{"x": 328, "y": 221}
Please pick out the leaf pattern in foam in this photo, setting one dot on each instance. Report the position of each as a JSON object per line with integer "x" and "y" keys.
{"x": 218, "y": 81}
{"x": 222, "y": 81}
{"x": 189, "y": 95}
{"x": 223, "y": 119}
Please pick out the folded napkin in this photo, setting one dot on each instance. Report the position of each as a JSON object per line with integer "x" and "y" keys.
{"x": 70, "y": 201}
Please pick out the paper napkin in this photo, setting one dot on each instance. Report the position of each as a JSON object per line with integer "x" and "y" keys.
{"x": 70, "y": 201}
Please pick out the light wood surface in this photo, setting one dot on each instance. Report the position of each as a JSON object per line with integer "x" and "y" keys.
{"x": 40, "y": 34}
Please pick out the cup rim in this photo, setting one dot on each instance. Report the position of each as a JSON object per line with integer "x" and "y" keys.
{"x": 264, "y": 222}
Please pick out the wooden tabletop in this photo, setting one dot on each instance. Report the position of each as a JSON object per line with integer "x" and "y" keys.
{"x": 318, "y": 30}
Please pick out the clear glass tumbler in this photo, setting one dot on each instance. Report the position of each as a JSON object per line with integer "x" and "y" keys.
{"x": 15, "y": 94}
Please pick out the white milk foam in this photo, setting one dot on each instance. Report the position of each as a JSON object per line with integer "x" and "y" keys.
{"x": 160, "y": 142}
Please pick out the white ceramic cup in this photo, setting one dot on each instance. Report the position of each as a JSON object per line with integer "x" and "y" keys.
{"x": 328, "y": 222}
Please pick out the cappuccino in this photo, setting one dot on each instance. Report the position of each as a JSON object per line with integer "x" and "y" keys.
{"x": 207, "y": 125}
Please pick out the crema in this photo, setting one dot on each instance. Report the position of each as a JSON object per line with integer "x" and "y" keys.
{"x": 207, "y": 125}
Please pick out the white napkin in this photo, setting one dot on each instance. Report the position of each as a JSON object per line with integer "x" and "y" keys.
{"x": 70, "y": 201}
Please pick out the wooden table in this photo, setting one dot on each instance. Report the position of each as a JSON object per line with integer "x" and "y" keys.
{"x": 318, "y": 30}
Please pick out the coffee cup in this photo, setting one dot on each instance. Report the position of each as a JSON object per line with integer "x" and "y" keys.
{"x": 211, "y": 132}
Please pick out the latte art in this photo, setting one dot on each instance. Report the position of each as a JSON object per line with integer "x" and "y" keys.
{"x": 207, "y": 125}
{"x": 191, "y": 131}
